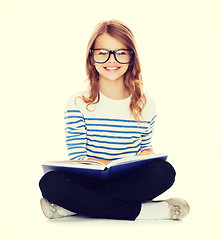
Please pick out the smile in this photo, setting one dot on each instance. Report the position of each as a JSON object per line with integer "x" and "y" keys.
{"x": 112, "y": 68}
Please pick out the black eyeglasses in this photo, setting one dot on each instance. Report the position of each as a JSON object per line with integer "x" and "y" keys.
{"x": 122, "y": 56}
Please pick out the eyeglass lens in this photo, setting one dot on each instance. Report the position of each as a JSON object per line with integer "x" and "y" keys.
{"x": 102, "y": 55}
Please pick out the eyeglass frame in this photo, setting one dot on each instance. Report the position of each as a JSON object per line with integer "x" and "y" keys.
{"x": 111, "y": 52}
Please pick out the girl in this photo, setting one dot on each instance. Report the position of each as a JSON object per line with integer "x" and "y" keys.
{"x": 112, "y": 120}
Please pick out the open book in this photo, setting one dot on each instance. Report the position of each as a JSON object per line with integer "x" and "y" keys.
{"x": 93, "y": 168}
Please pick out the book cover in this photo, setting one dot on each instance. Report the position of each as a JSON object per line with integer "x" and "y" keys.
{"x": 96, "y": 169}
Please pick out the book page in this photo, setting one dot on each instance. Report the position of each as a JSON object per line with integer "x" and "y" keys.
{"x": 134, "y": 159}
{"x": 89, "y": 164}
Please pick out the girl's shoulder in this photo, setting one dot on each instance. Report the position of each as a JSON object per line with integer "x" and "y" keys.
{"x": 150, "y": 101}
{"x": 75, "y": 101}
{"x": 149, "y": 110}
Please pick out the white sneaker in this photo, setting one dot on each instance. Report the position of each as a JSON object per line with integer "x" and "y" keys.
{"x": 179, "y": 208}
{"x": 51, "y": 210}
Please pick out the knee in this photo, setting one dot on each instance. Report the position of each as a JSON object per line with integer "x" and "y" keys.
{"x": 48, "y": 182}
{"x": 48, "y": 178}
{"x": 166, "y": 172}
{"x": 170, "y": 171}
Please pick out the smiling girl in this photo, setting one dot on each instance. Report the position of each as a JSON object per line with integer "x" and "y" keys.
{"x": 113, "y": 119}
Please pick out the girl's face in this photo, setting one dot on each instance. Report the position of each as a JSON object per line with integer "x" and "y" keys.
{"x": 110, "y": 70}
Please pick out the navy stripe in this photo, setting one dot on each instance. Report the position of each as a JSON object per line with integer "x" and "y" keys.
{"x": 153, "y": 118}
{"x": 76, "y": 153}
{"x": 75, "y": 139}
{"x": 151, "y": 124}
{"x": 76, "y": 147}
{"x": 111, "y": 154}
{"x": 110, "y": 131}
{"x": 69, "y": 128}
{"x": 102, "y": 158}
{"x": 75, "y": 144}
{"x": 72, "y": 111}
{"x": 123, "y": 143}
{"x": 144, "y": 140}
{"x": 149, "y": 132}
{"x": 109, "y": 148}
{"x": 113, "y": 120}
{"x": 120, "y": 126}
{"x": 118, "y": 137}
{"x": 74, "y": 117}
{"x": 69, "y": 148}
{"x": 70, "y": 144}
{"x": 75, "y": 131}
{"x": 144, "y": 144}
{"x": 146, "y": 134}
{"x": 80, "y": 157}
{"x": 72, "y": 136}
{"x": 70, "y": 122}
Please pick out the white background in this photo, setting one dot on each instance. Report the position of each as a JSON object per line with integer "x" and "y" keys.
{"x": 42, "y": 62}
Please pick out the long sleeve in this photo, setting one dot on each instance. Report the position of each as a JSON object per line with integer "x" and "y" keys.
{"x": 147, "y": 135}
{"x": 75, "y": 132}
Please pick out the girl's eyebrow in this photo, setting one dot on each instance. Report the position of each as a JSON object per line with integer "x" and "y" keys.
{"x": 112, "y": 50}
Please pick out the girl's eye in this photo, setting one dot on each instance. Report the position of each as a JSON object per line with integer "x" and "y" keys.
{"x": 103, "y": 52}
{"x": 121, "y": 52}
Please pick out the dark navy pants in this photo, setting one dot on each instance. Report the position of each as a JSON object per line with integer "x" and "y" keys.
{"x": 112, "y": 199}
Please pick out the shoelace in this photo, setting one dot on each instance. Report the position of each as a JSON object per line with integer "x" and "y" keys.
{"x": 177, "y": 211}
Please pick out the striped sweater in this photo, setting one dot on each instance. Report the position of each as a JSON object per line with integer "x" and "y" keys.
{"x": 108, "y": 131}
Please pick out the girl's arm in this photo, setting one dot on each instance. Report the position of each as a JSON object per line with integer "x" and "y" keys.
{"x": 75, "y": 131}
{"x": 146, "y": 143}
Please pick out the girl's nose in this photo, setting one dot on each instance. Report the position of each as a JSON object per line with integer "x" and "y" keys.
{"x": 112, "y": 59}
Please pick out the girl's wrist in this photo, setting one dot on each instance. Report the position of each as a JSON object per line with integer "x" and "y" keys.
{"x": 146, "y": 152}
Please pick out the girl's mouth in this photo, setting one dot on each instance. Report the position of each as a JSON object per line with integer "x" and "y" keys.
{"x": 111, "y": 69}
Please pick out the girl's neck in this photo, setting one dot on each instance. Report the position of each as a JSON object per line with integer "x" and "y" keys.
{"x": 114, "y": 89}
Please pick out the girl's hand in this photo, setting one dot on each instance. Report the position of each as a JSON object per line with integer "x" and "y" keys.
{"x": 146, "y": 152}
{"x": 106, "y": 162}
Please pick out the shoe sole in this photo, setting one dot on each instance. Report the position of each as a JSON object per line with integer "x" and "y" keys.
{"x": 42, "y": 203}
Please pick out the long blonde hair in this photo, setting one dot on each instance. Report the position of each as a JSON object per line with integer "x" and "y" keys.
{"x": 132, "y": 78}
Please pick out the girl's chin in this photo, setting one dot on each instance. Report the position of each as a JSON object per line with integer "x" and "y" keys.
{"x": 109, "y": 78}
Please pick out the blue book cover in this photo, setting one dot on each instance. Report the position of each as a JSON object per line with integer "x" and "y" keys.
{"x": 95, "y": 169}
